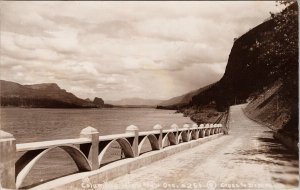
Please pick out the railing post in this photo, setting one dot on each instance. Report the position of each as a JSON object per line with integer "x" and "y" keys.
{"x": 207, "y": 130}
{"x": 215, "y": 129}
{"x": 211, "y": 128}
{"x": 223, "y": 130}
{"x": 135, "y": 144}
{"x": 159, "y": 127}
{"x": 174, "y": 126}
{"x": 197, "y": 130}
{"x": 7, "y": 160}
{"x": 201, "y": 131}
{"x": 93, "y": 134}
{"x": 187, "y": 126}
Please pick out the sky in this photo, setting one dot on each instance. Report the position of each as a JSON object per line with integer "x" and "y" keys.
{"x": 115, "y": 50}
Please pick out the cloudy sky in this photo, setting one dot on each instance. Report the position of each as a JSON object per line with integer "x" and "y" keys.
{"x": 118, "y": 50}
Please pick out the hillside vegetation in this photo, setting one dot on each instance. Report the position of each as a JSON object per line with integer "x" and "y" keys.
{"x": 262, "y": 68}
{"x": 279, "y": 108}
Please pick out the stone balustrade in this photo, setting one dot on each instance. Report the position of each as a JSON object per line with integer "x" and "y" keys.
{"x": 88, "y": 150}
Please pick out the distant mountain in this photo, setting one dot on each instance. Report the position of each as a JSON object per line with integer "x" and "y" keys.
{"x": 48, "y": 95}
{"x": 88, "y": 100}
{"x": 182, "y": 100}
{"x": 98, "y": 102}
{"x": 135, "y": 102}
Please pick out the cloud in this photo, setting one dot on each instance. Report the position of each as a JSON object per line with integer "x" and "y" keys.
{"x": 117, "y": 50}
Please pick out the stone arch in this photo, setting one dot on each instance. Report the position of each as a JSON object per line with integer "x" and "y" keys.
{"x": 194, "y": 134}
{"x": 190, "y": 135}
{"x": 212, "y": 131}
{"x": 207, "y": 131}
{"x": 170, "y": 137}
{"x": 30, "y": 158}
{"x": 216, "y": 130}
{"x": 202, "y": 133}
{"x": 179, "y": 140}
{"x": 125, "y": 145}
{"x": 184, "y": 135}
{"x": 153, "y": 141}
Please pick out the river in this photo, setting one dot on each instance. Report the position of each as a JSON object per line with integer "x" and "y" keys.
{"x": 38, "y": 124}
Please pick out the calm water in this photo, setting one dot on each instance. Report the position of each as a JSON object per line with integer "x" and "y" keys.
{"x": 29, "y": 125}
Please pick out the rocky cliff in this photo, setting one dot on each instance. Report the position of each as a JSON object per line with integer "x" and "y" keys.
{"x": 257, "y": 59}
{"x": 262, "y": 60}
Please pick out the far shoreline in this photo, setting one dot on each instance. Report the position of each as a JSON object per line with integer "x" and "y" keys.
{"x": 109, "y": 107}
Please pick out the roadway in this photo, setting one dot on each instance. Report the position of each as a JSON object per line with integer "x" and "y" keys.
{"x": 247, "y": 158}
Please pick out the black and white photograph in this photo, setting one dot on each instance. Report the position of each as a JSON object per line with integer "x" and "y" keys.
{"x": 158, "y": 95}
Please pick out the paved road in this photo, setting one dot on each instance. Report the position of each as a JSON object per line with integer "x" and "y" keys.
{"x": 247, "y": 158}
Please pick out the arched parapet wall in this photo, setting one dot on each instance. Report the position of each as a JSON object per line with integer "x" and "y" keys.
{"x": 124, "y": 144}
{"x": 156, "y": 136}
{"x": 211, "y": 129}
{"x": 207, "y": 131}
{"x": 172, "y": 138}
{"x": 179, "y": 140}
{"x": 221, "y": 128}
{"x": 215, "y": 128}
{"x": 202, "y": 133}
{"x": 93, "y": 147}
{"x": 85, "y": 148}
{"x": 189, "y": 135}
{"x": 184, "y": 135}
{"x": 153, "y": 142}
{"x": 30, "y": 158}
{"x": 169, "y": 136}
{"x": 194, "y": 134}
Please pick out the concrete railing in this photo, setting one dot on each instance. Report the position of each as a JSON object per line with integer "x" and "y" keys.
{"x": 88, "y": 150}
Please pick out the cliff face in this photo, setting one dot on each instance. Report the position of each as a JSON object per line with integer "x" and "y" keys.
{"x": 48, "y": 95}
{"x": 257, "y": 59}
{"x": 261, "y": 61}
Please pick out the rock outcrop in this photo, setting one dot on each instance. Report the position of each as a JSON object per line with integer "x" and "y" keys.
{"x": 98, "y": 102}
{"x": 261, "y": 61}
